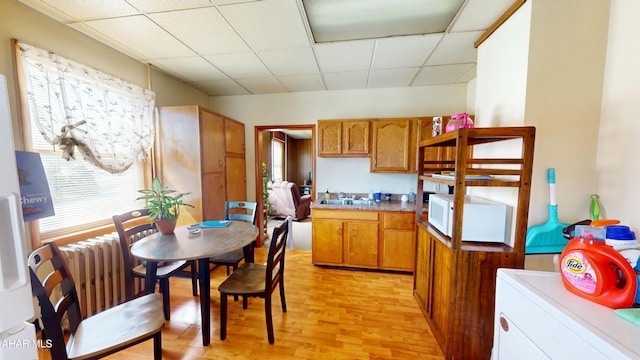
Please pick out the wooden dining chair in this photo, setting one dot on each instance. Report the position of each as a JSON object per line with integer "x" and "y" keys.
{"x": 131, "y": 229}
{"x": 105, "y": 333}
{"x": 258, "y": 280}
{"x": 236, "y": 210}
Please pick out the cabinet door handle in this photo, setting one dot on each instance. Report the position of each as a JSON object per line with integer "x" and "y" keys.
{"x": 504, "y": 324}
{"x": 220, "y": 162}
{"x": 340, "y": 231}
{"x": 353, "y": 232}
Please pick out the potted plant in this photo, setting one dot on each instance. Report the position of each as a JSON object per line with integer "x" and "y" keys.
{"x": 266, "y": 209}
{"x": 163, "y": 205}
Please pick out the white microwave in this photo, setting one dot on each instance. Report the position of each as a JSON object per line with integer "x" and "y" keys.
{"x": 483, "y": 220}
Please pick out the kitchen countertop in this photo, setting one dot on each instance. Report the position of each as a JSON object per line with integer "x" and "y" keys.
{"x": 381, "y": 206}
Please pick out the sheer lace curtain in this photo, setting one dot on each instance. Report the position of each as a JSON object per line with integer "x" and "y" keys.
{"x": 78, "y": 108}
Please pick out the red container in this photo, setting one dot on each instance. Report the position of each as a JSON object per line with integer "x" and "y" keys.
{"x": 595, "y": 271}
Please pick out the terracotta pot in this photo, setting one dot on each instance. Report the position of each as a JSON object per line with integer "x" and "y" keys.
{"x": 165, "y": 226}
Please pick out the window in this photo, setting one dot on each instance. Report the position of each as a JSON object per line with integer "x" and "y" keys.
{"x": 277, "y": 160}
{"x": 83, "y": 195}
{"x": 81, "y": 110}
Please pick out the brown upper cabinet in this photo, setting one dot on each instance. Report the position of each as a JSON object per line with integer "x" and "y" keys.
{"x": 234, "y": 136}
{"x": 343, "y": 138}
{"x": 394, "y": 144}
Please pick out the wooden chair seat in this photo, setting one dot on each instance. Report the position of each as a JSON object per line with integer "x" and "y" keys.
{"x": 247, "y": 280}
{"x": 163, "y": 271}
{"x": 119, "y": 326}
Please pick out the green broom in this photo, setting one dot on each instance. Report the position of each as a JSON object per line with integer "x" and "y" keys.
{"x": 547, "y": 238}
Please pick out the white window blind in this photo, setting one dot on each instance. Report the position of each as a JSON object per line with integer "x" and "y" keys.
{"x": 85, "y": 196}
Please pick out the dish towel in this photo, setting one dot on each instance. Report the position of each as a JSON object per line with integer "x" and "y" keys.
{"x": 632, "y": 315}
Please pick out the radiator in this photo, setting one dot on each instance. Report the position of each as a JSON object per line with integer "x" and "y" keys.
{"x": 98, "y": 272}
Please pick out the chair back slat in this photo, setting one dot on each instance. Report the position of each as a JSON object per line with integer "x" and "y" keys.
{"x": 58, "y": 278}
{"x": 241, "y": 210}
{"x": 129, "y": 231}
{"x": 275, "y": 259}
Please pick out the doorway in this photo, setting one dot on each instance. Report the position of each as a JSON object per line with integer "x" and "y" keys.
{"x": 298, "y": 165}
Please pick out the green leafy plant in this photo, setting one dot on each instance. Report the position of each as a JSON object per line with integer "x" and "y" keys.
{"x": 162, "y": 203}
{"x": 266, "y": 177}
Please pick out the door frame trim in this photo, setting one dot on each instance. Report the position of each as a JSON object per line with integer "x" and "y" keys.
{"x": 258, "y": 130}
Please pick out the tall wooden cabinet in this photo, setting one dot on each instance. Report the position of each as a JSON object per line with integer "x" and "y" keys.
{"x": 201, "y": 152}
{"x": 454, "y": 280}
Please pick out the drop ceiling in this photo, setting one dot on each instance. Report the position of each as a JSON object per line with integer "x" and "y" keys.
{"x": 241, "y": 47}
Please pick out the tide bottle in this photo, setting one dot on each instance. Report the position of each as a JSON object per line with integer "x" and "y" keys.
{"x": 595, "y": 271}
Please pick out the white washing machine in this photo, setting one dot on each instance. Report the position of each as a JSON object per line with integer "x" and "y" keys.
{"x": 537, "y": 318}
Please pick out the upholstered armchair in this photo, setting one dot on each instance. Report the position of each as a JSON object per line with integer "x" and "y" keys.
{"x": 285, "y": 200}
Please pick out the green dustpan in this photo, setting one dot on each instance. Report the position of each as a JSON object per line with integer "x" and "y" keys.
{"x": 547, "y": 238}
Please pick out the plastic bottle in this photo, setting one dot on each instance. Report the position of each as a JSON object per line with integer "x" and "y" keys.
{"x": 327, "y": 196}
{"x": 594, "y": 208}
{"x": 370, "y": 194}
{"x": 592, "y": 270}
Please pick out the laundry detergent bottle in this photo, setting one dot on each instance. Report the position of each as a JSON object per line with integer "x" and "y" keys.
{"x": 595, "y": 271}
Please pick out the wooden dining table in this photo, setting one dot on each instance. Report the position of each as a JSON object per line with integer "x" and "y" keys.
{"x": 185, "y": 245}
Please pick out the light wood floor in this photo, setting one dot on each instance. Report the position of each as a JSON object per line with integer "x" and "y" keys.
{"x": 331, "y": 314}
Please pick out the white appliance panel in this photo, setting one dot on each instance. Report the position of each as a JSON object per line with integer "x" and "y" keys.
{"x": 558, "y": 323}
{"x": 16, "y": 301}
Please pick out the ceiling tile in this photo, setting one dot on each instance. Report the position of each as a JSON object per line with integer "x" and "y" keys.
{"x": 290, "y": 62}
{"x": 414, "y": 49}
{"x": 142, "y": 35}
{"x": 344, "y": 56}
{"x": 476, "y": 15}
{"x": 190, "y": 69}
{"x": 263, "y": 85}
{"x": 89, "y": 31}
{"x": 268, "y": 25}
{"x": 455, "y": 48}
{"x": 220, "y": 87}
{"x": 240, "y": 66}
{"x": 443, "y": 74}
{"x": 391, "y": 77}
{"x": 346, "y": 80}
{"x": 48, "y": 10}
{"x": 203, "y": 30}
{"x": 82, "y": 10}
{"x": 302, "y": 83}
{"x": 149, "y": 6}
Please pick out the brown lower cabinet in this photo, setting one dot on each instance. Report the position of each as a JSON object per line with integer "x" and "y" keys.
{"x": 456, "y": 289}
{"x": 363, "y": 239}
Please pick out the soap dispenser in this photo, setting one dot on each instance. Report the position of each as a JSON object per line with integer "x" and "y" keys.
{"x": 327, "y": 196}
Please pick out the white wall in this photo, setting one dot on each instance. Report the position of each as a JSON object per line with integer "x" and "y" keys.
{"x": 544, "y": 67}
{"x": 341, "y": 174}
{"x": 617, "y": 171}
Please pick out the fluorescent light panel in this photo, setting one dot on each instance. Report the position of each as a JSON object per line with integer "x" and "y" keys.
{"x": 342, "y": 20}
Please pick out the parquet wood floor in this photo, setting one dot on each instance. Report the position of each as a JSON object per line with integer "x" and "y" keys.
{"x": 331, "y": 314}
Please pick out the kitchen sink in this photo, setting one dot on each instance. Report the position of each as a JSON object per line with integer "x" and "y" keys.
{"x": 349, "y": 202}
